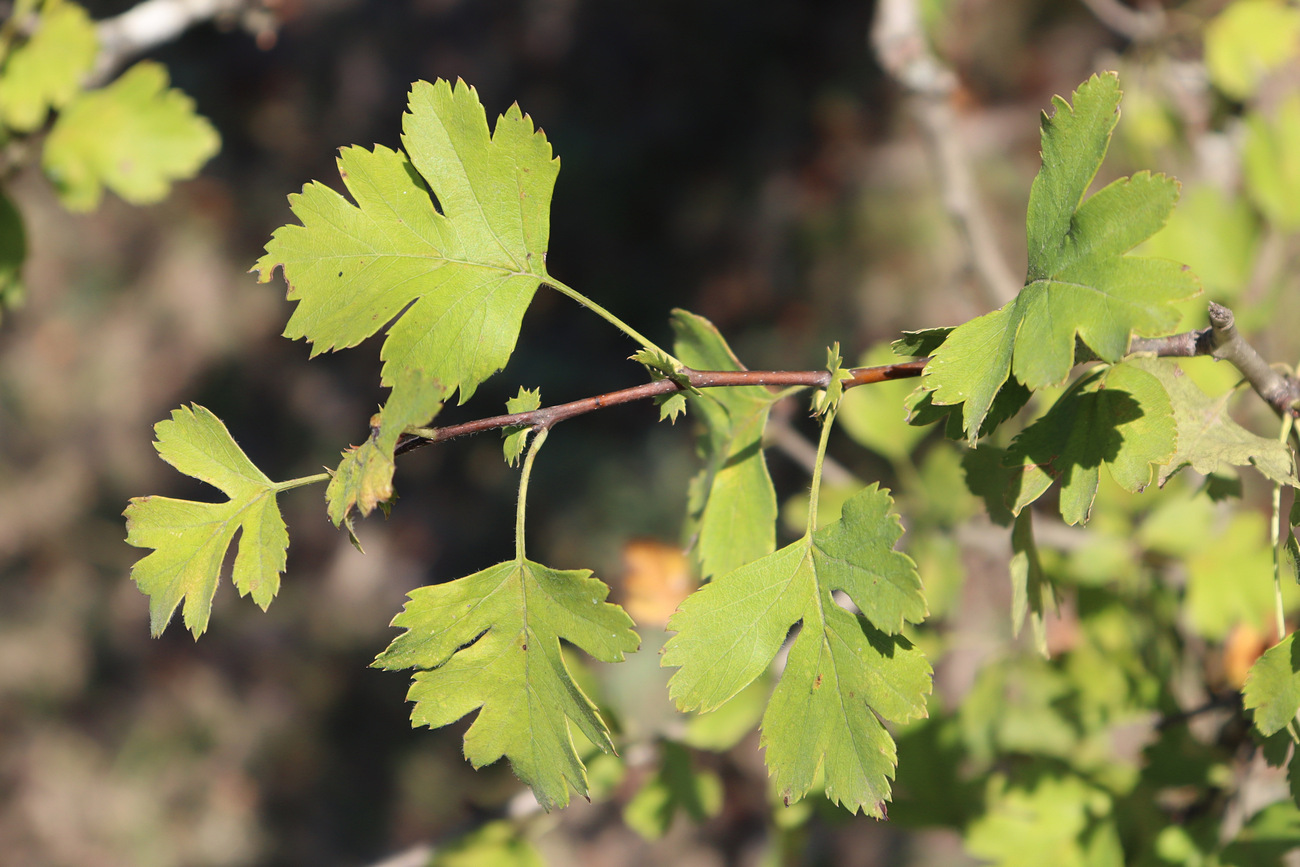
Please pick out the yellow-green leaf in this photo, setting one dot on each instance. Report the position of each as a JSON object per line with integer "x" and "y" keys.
{"x": 46, "y": 71}
{"x": 136, "y": 136}
{"x": 190, "y": 539}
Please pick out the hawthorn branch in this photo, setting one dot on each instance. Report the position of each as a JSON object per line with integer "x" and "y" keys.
{"x": 549, "y": 416}
{"x": 1223, "y": 341}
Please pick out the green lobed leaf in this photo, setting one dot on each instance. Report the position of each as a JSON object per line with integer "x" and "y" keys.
{"x": 46, "y": 71}
{"x": 1272, "y": 688}
{"x": 1119, "y": 417}
{"x": 1080, "y": 283}
{"x": 844, "y": 672}
{"x": 491, "y": 642}
{"x": 731, "y": 510}
{"x": 1209, "y": 441}
{"x": 190, "y": 539}
{"x": 457, "y": 280}
{"x": 136, "y": 136}
{"x": 517, "y": 437}
{"x": 364, "y": 478}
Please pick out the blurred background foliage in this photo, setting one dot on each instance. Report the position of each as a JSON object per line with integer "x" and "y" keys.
{"x": 750, "y": 162}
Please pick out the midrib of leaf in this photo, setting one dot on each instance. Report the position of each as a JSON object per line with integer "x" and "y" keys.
{"x": 478, "y": 201}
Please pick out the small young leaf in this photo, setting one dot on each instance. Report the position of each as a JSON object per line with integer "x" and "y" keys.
{"x": 457, "y": 280}
{"x": 1272, "y": 688}
{"x": 364, "y": 479}
{"x": 135, "y": 137}
{"x": 517, "y": 437}
{"x": 1080, "y": 283}
{"x": 829, "y": 398}
{"x": 190, "y": 539}
{"x": 844, "y": 670}
{"x": 1208, "y": 439}
{"x": 671, "y": 406}
{"x": 1120, "y": 417}
{"x": 731, "y": 511}
{"x": 46, "y": 71}
{"x": 491, "y": 642}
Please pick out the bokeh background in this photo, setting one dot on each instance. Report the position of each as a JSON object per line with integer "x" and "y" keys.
{"x": 752, "y": 162}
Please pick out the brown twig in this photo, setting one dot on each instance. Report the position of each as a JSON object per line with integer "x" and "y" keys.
{"x": 549, "y": 416}
{"x": 1221, "y": 340}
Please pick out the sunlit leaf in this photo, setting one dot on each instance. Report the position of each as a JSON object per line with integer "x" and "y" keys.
{"x": 190, "y": 539}
{"x": 456, "y": 278}
{"x": 844, "y": 672}
{"x": 490, "y": 642}
{"x": 1080, "y": 283}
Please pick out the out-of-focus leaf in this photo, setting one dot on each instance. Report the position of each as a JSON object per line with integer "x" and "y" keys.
{"x": 1230, "y": 580}
{"x": 496, "y": 844}
{"x": 1249, "y": 40}
{"x": 1270, "y": 835}
{"x": 677, "y": 786}
{"x": 137, "y": 136}
{"x": 1216, "y": 235}
{"x": 13, "y": 252}
{"x": 46, "y": 71}
{"x": 1271, "y": 158}
{"x": 875, "y": 414}
{"x": 1062, "y": 821}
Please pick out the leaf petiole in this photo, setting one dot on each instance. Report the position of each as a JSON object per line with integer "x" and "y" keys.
{"x": 827, "y": 420}
{"x": 607, "y": 316}
{"x": 539, "y": 437}
{"x": 299, "y": 483}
